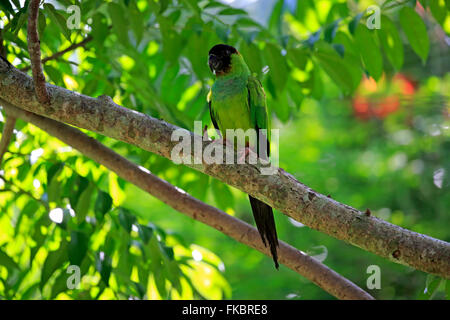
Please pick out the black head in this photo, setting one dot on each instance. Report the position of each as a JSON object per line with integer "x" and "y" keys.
{"x": 220, "y": 58}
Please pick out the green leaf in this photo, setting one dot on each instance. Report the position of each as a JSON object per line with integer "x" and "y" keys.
{"x": 99, "y": 27}
{"x": 391, "y": 42}
{"x": 60, "y": 284}
{"x": 42, "y": 23}
{"x": 29, "y": 210}
{"x": 103, "y": 264}
{"x": 299, "y": 57}
{"x": 438, "y": 10}
{"x": 347, "y": 42}
{"x": 431, "y": 286}
{"x": 163, "y": 5}
{"x": 84, "y": 202}
{"x": 316, "y": 83}
{"x": 416, "y": 32}
{"x": 55, "y": 259}
{"x": 193, "y": 5}
{"x": 275, "y": 18}
{"x": 278, "y": 66}
{"x": 54, "y": 191}
{"x": 81, "y": 184}
{"x": 330, "y": 31}
{"x": 78, "y": 246}
{"x": 311, "y": 41}
{"x": 19, "y": 19}
{"x": 145, "y": 233}
{"x": 369, "y": 50}
{"x": 214, "y": 4}
{"x": 354, "y": 23}
{"x": 119, "y": 22}
{"x": 6, "y": 6}
{"x": 103, "y": 204}
{"x": 247, "y": 22}
{"x": 222, "y": 31}
{"x": 156, "y": 266}
{"x": 136, "y": 21}
{"x": 222, "y": 195}
{"x": 57, "y": 18}
{"x": 334, "y": 66}
{"x": 231, "y": 12}
{"x": 54, "y": 74}
{"x": 126, "y": 219}
{"x": 54, "y": 170}
{"x": 171, "y": 41}
{"x": 8, "y": 262}
{"x": 53, "y": 185}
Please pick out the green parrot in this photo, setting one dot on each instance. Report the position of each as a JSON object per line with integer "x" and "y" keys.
{"x": 237, "y": 101}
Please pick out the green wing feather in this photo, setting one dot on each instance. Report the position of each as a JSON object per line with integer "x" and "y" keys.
{"x": 258, "y": 108}
{"x": 211, "y": 113}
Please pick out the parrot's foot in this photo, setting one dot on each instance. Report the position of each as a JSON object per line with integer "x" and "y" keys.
{"x": 223, "y": 142}
{"x": 247, "y": 152}
{"x": 205, "y": 133}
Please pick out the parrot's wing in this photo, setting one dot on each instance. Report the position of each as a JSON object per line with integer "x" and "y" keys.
{"x": 258, "y": 108}
{"x": 211, "y": 113}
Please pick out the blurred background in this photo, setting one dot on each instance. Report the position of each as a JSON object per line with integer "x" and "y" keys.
{"x": 363, "y": 116}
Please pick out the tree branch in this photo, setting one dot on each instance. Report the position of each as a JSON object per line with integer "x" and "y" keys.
{"x": 34, "y": 49}
{"x": 281, "y": 190}
{"x": 62, "y": 52}
{"x": 176, "y": 198}
{"x": 7, "y": 133}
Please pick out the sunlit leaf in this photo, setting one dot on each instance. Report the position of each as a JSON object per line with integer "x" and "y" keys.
{"x": 391, "y": 41}
{"x": 416, "y": 32}
{"x": 8, "y": 262}
{"x": 370, "y": 52}
{"x": 55, "y": 260}
{"x": 119, "y": 22}
{"x": 57, "y": 18}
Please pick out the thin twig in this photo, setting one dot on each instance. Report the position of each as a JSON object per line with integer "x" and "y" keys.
{"x": 22, "y": 191}
{"x": 62, "y": 52}
{"x": 34, "y": 49}
{"x": 181, "y": 201}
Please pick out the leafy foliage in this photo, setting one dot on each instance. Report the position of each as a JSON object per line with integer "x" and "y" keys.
{"x": 350, "y": 127}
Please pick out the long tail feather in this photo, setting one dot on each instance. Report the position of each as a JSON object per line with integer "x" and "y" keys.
{"x": 265, "y": 224}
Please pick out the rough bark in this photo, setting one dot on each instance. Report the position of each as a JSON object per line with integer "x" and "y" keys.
{"x": 7, "y": 133}
{"x": 34, "y": 49}
{"x": 281, "y": 190}
{"x": 294, "y": 259}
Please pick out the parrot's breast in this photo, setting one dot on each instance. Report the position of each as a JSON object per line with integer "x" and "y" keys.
{"x": 230, "y": 104}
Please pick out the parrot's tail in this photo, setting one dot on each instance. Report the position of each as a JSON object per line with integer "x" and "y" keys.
{"x": 265, "y": 223}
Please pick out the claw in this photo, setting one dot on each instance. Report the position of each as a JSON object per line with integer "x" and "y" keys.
{"x": 205, "y": 133}
{"x": 246, "y": 152}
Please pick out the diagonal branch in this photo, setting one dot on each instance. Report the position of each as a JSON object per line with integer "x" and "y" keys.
{"x": 296, "y": 260}
{"x": 281, "y": 190}
{"x": 7, "y": 133}
{"x": 34, "y": 48}
{"x": 62, "y": 52}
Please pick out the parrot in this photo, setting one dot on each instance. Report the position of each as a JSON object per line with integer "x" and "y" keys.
{"x": 237, "y": 101}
